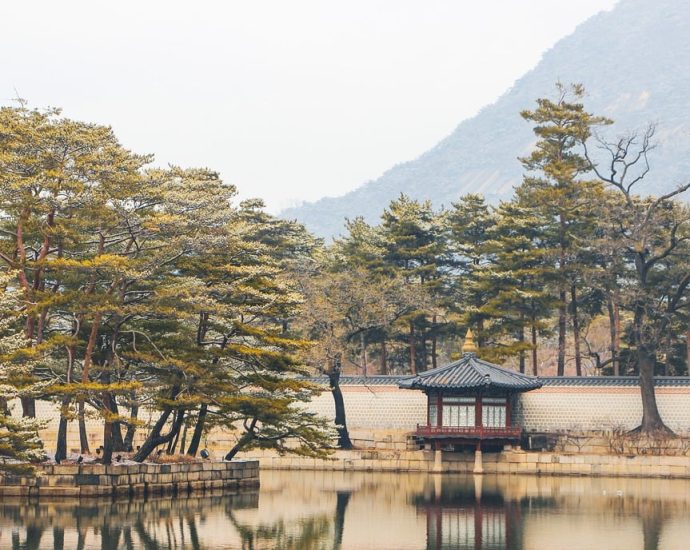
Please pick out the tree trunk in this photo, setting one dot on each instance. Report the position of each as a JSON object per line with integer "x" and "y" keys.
{"x": 521, "y": 340}
{"x": 61, "y": 443}
{"x": 107, "y": 430}
{"x": 83, "y": 437}
{"x": 667, "y": 354}
{"x": 198, "y": 431}
{"x": 576, "y": 330}
{"x": 434, "y": 339}
{"x": 118, "y": 442}
{"x": 425, "y": 355}
{"x": 617, "y": 313}
{"x": 384, "y": 357}
{"x": 131, "y": 428}
{"x": 646, "y": 361}
{"x": 687, "y": 349}
{"x": 613, "y": 333}
{"x": 172, "y": 446}
{"x": 535, "y": 368}
{"x": 481, "y": 339}
{"x": 413, "y": 352}
{"x": 340, "y": 419}
{"x": 561, "y": 333}
{"x": 246, "y": 438}
{"x": 183, "y": 441}
{"x": 155, "y": 438}
{"x": 28, "y": 407}
{"x": 363, "y": 343}
{"x": 651, "y": 419}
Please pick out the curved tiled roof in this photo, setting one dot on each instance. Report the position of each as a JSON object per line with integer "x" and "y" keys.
{"x": 470, "y": 372}
{"x": 551, "y": 381}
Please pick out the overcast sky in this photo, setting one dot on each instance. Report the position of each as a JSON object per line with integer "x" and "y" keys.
{"x": 288, "y": 100}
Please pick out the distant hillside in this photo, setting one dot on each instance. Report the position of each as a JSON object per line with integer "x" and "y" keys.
{"x": 634, "y": 62}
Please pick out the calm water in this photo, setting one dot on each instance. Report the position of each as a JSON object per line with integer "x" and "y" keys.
{"x": 325, "y": 510}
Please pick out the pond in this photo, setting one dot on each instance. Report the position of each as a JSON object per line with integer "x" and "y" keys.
{"x": 338, "y": 510}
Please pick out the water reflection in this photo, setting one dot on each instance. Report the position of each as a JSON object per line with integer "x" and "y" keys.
{"x": 342, "y": 511}
{"x": 462, "y": 516}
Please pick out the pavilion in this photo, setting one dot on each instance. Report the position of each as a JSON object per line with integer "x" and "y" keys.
{"x": 470, "y": 402}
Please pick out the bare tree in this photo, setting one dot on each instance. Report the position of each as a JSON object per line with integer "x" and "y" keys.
{"x": 653, "y": 234}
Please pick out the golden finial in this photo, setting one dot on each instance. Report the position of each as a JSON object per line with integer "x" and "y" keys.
{"x": 469, "y": 346}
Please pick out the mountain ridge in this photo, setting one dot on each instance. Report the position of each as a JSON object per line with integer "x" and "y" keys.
{"x": 632, "y": 61}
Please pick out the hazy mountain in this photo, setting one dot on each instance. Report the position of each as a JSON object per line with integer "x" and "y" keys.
{"x": 634, "y": 61}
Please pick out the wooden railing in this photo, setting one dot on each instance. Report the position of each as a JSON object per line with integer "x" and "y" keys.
{"x": 474, "y": 432}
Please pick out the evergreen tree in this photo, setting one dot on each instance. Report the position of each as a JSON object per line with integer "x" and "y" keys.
{"x": 414, "y": 249}
{"x": 469, "y": 223}
{"x": 19, "y": 442}
{"x": 554, "y": 185}
{"x": 519, "y": 302}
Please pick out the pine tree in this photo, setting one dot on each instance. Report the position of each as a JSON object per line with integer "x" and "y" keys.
{"x": 555, "y": 184}
{"x": 19, "y": 442}
{"x": 469, "y": 223}
{"x": 414, "y": 249}
{"x": 515, "y": 281}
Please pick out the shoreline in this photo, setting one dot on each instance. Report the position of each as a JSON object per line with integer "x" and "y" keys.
{"x": 513, "y": 462}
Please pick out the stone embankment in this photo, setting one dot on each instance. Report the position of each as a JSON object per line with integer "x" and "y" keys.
{"x": 96, "y": 480}
{"x": 506, "y": 462}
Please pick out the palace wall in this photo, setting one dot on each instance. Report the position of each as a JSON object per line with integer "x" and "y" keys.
{"x": 380, "y": 415}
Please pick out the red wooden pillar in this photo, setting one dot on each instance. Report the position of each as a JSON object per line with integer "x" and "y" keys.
{"x": 478, "y": 412}
{"x": 439, "y": 409}
{"x": 509, "y": 411}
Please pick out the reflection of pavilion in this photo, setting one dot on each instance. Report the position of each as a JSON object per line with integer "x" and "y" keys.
{"x": 460, "y": 520}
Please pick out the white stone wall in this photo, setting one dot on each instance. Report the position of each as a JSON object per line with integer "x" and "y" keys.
{"x": 376, "y": 407}
{"x": 564, "y": 408}
{"x": 386, "y": 414}
{"x": 551, "y": 408}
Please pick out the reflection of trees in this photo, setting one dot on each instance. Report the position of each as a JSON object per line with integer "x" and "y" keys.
{"x": 343, "y": 499}
{"x": 156, "y": 524}
{"x": 303, "y": 534}
{"x": 33, "y": 539}
{"x": 313, "y": 533}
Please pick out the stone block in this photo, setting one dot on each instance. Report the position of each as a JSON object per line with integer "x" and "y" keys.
{"x": 122, "y": 480}
{"x": 66, "y": 469}
{"x": 196, "y": 486}
{"x": 15, "y": 490}
{"x": 97, "y": 469}
{"x": 94, "y": 491}
{"x": 59, "y": 492}
{"x": 216, "y": 484}
{"x": 231, "y": 483}
{"x": 121, "y": 490}
{"x": 106, "y": 480}
{"x": 87, "y": 479}
{"x": 57, "y": 480}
